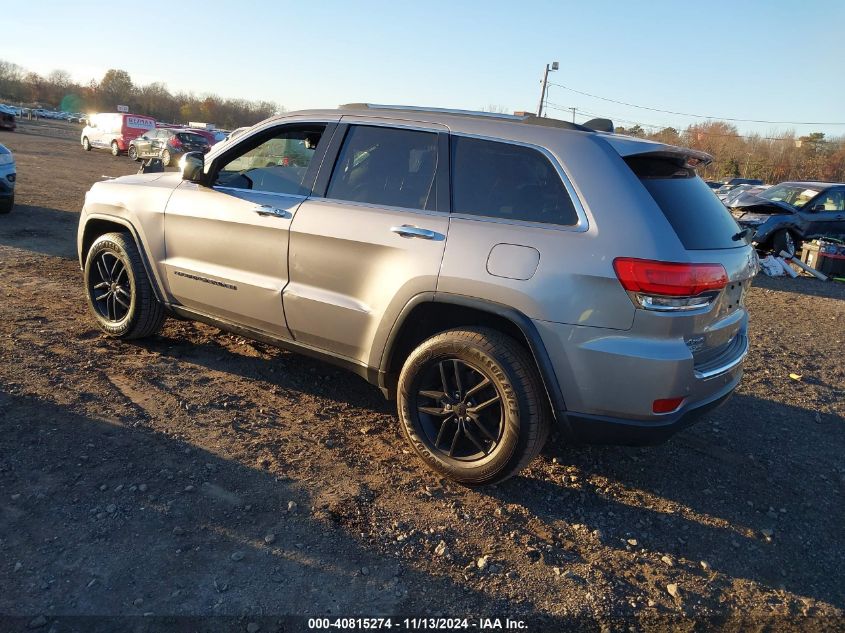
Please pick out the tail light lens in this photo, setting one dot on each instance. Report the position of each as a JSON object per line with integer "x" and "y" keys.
{"x": 670, "y": 286}
{"x": 175, "y": 142}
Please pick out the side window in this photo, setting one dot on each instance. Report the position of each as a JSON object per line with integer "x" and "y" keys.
{"x": 503, "y": 180}
{"x": 833, "y": 200}
{"x": 386, "y": 166}
{"x": 277, "y": 164}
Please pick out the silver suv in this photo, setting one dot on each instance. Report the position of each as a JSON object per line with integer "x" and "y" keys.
{"x": 494, "y": 274}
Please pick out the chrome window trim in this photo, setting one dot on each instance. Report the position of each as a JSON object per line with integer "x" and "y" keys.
{"x": 296, "y": 196}
{"x": 581, "y": 226}
{"x": 369, "y": 205}
{"x": 373, "y": 120}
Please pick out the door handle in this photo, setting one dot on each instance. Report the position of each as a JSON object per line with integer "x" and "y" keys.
{"x": 408, "y": 230}
{"x": 267, "y": 210}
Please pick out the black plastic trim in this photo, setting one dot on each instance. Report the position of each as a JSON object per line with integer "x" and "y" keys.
{"x": 362, "y": 370}
{"x": 596, "y": 429}
{"x": 520, "y": 320}
{"x": 138, "y": 242}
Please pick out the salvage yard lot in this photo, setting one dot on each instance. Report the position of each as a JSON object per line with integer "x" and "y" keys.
{"x": 199, "y": 473}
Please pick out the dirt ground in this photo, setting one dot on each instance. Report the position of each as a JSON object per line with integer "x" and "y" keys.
{"x": 201, "y": 474}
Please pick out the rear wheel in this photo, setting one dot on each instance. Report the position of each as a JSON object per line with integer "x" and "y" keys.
{"x": 784, "y": 241}
{"x": 115, "y": 150}
{"x": 471, "y": 405}
{"x": 119, "y": 293}
{"x": 166, "y": 158}
{"x": 133, "y": 152}
{"x": 86, "y": 144}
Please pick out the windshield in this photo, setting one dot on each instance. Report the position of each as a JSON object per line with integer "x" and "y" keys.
{"x": 794, "y": 195}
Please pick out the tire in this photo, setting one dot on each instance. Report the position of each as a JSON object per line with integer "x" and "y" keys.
{"x": 166, "y": 158}
{"x": 6, "y": 205}
{"x": 115, "y": 150}
{"x": 86, "y": 144}
{"x": 113, "y": 269}
{"x": 133, "y": 153}
{"x": 784, "y": 241}
{"x": 466, "y": 446}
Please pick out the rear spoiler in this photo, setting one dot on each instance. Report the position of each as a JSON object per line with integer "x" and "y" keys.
{"x": 628, "y": 146}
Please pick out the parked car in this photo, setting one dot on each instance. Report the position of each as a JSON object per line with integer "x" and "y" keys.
{"x": 168, "y": 144}
{"x": 737, "y": 191}
{"x": 784, "y": 215}
{"x": 208, "y": 135}
{"x": 7, "y": 119}
{"x": 8, "y": 175}
{"x": 114, "y": 131}
{"x": 492, "y": 273}
{"x": 723, "y": 191}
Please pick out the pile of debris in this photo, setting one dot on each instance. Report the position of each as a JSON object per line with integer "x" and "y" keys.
{"x": 823, "y": 259}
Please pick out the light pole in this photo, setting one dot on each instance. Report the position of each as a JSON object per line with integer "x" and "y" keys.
{"x": 554, "y": 66}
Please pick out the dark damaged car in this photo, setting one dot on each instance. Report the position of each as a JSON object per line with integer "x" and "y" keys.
{"x": 784, "y": 215}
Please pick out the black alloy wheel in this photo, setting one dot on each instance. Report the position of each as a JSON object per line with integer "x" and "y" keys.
{"x": 110, "y": 287}
{"x": 460, "y": 410}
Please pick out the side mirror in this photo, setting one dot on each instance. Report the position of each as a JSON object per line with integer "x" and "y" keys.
{"x": 192, "y": 165}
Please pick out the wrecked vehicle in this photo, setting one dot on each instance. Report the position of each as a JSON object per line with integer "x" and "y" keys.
{"x": 787, "y": 214}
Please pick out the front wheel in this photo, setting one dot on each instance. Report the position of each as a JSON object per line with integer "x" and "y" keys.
{"x": 118, "y": 290}
{"x": 783, "y": 241}
{"x": 86, "y": 144}
{"x": 115, "y": 150}
{"x": 471, "y": 405}
{"x": 6, "y": 205}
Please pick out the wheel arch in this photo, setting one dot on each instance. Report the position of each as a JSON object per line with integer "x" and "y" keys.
{"x": 97, "y": 225}
{"x": 428, "y": 314}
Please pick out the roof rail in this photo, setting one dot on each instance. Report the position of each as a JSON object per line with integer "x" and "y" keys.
{"x": 530, "y": 119}
{"x": 410, "y": 108}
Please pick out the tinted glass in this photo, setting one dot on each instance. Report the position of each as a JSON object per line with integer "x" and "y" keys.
{"x": 386, "y": 166}
{"x": 277, "y": 164}
{"x": 699, "y": 218}
{"x": 194, "y": 139}
{"x": 503, "y": 180}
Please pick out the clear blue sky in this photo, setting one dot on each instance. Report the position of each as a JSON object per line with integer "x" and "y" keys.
{"x": 775, "y": 60}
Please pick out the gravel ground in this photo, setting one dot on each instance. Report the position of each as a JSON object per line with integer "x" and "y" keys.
{"x": 201, "y": 474}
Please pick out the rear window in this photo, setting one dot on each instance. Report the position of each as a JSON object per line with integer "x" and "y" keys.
{"x": 191, "y": 138}
{"x": 700, "y": 220}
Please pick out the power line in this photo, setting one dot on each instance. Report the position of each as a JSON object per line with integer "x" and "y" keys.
{"x": 659, "y": 128}
{"x": 699, "y": 116}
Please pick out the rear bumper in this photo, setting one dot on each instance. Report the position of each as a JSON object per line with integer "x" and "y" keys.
{"x": 594, "y": 429}
{"x": 611, "y": 380}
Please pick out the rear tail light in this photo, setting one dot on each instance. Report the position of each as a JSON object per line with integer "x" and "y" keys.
{"x": 667, "y": 405}
{"x": 670, "y": 286}
{"x": 175, "y": 142}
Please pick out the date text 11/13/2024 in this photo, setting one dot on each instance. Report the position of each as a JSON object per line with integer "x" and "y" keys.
{"x": 417, "y": 624}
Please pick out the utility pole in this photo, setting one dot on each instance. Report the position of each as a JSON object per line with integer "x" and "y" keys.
{"x": 573, "y": 114}
{"x": 554, "y": 66}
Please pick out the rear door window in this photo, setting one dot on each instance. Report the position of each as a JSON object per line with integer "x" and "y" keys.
{"x": 699, "y": 218}
{"x": 386, "y": 166}
{"x": 503, "y": 180}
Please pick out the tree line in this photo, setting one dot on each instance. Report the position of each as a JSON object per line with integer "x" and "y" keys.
{"x": 57, "y": 90}
{"x": 772, "y": 159}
